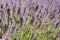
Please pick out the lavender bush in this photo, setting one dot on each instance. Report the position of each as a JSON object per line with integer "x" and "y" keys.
{"x": 29, "y": 19}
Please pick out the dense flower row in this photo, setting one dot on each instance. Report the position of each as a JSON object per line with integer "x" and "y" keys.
{"x": 15, "y": 13}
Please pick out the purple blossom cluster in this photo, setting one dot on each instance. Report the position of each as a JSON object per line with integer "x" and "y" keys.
{"x": 14, "y": 14}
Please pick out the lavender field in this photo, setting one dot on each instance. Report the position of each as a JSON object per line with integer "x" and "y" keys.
{"x": 29, "y": 19}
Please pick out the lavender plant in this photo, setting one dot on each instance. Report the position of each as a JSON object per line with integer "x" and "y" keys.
{"x": 29, "y": 20}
